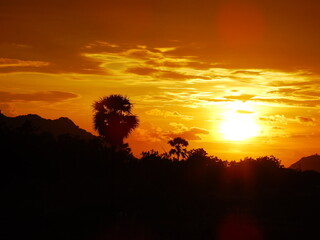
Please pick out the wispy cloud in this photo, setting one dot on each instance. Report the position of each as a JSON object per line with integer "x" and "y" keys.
{"x": 9, "y": 62}
{"x": 50, "y": 96}
{"x": 168, "y": 114}
{"x": 306, "y": 120}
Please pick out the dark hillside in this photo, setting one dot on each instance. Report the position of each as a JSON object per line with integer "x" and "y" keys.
{"x": 308, "y": 163}
{"x": 38, "y": 125}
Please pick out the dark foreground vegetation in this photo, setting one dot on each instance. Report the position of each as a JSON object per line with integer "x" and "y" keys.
{"x": 67, "y": 187}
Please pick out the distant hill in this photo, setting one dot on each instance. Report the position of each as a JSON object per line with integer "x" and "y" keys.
{"x": 36, "y": 124}
{"x": 308, "y": 163}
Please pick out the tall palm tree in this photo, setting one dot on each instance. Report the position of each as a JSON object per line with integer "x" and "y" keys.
{"x": 113, "y": 119}
{"x": 179, "y": 147}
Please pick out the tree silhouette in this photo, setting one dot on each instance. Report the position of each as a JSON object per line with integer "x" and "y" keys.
{"x": 196, "y": 154}
{"x": 179, "y": 147}
{"x": 113, "y": 119}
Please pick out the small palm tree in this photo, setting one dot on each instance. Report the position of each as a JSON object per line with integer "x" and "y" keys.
{"x": 179, "y": 147}
{"x": 113, "y": 119}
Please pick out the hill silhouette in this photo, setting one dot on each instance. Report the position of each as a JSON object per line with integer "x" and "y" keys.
{"x": 58, "y": 185}
{"x": 38, "y": 125}
{"x": 307, "y": 163}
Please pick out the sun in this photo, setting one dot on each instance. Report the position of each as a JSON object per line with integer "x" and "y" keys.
{"x": 239, "y": 124}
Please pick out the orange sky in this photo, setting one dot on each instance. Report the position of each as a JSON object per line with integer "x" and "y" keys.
{"x": 184, "y": 64}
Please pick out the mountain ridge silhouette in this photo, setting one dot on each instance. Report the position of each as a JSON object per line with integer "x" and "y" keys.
{"x": 307, "y": 163}
{"x": 38, "y": 125}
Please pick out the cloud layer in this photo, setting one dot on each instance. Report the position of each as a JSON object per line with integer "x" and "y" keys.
{"x": 50, "y": 96}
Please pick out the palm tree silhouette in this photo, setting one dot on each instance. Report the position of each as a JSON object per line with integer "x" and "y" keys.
{"x": 179, "y": 147}
{"x": 113, "y": 119}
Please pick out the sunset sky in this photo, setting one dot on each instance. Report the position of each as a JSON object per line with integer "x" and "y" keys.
{"x": 238, "y": 78}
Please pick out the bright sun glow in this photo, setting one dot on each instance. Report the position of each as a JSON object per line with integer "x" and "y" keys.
{"x": 239, "y": 123}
